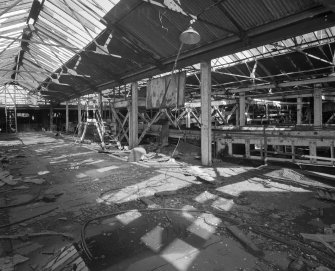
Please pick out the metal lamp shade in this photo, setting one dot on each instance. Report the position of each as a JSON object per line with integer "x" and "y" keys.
{"x": 189, "y": 36}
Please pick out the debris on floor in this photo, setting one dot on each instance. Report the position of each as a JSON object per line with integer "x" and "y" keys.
{"x": 245, "y": 218}
{"x": 8, "y": 263}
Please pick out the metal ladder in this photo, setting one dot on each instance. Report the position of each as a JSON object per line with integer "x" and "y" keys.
{"x": 91, "y": 116}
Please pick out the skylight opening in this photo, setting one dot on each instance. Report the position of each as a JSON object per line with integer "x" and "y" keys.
{"x": 12, "y": 14}
{"x": 12, "y": 26}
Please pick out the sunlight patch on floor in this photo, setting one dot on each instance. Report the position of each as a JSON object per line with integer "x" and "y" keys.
{"x": 257, "y": 185}
{"x": 180, "y": 254}
{"x": 129, "y": 217}
{"x": 153, "y": 238}
{"x": 104, "y": 169}
{"x": 145, "y": 188}
{"x": 204, "y": 226}
{"x": 204, "y": 197}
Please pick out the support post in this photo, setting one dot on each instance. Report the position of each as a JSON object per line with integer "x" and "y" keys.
{"x": 101, "y": 110}
{"x": 317, "y": 107}
{"x": 247, "y": 148}
{"x": 242, "y": 109}
{"x": 312, "y": 152}
{"x": 133, "y": 118}
{"x": 109, "y": 110}
{"x": 67, "y": 116}
{"x": 188, "y": 118}
{"x": 79, "y": 111}
{"x": 206, "y": 129}
{"x": 237, "y": 114}
{"x": 267, "y": 113}
{"x": 299, "y": 110}
{"x": 164, "y": 137}
{"x": 293, "y": 151}
{"x": 332, "y": 152}
{"x": 230, "y": 148}
{"x": 51, "y": 115}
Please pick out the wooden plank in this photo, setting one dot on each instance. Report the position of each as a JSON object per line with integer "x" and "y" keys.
{"x": 245, "y": 240}
{"x": 322, "y": 238}
{"x": 146, "y": 129}
{"x": 213, "y": 103}
{"x": 120, "y": 124}
{"x": 316, "y": 237}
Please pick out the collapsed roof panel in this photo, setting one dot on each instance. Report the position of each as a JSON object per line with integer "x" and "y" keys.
{"x": 121, "y": 42}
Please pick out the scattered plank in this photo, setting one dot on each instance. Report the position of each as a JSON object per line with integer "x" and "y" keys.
{"x": 245, "y": 240}
{"x": 322, "y": 238}
{"x": 315, "y": 237}
{"x": 8, "y": 263}
{"x": 295, "y": 244}
{"x": 29, "y": 218}
{"x": 37, "y": 234}
{"x": 33, "y": 180}
{"x": 149, "y": 203}
{"x": 166, "y": 193}
{"x": 200, "y": 174}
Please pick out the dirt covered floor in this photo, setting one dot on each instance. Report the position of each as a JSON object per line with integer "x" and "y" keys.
{"x": 65, "y": 206}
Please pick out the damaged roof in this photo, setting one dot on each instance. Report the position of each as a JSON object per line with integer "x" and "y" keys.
{"x": 77, "y": 47}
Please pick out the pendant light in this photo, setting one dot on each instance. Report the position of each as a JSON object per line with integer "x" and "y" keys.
{"x": 189, "y": 36}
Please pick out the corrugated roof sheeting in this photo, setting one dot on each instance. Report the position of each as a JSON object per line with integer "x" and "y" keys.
{"x": 12, "y": 24}
{"x": 250, "y": 14}
{"x": 158, "y": 24}
{"x": 145, "y": 37}
{"x": 63, "y": 28}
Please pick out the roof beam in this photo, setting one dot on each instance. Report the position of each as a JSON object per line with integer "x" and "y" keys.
{"x": 330, "y": 4}
{"x": 290, "y": 26}
{"x": 242, "y": 32}
{"x": 191, "y": 17}
{"x": 286, "y": 84}
{"x": 40, "y": 42}
{"x": 10, "y": 7}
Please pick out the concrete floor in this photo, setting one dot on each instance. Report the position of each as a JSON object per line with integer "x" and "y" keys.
{"x": 68, "y": 184}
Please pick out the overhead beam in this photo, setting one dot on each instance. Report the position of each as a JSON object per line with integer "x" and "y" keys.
{"x": 242, "y": 32}
{"x": 10, "y": 7}
{"x": 290, "y": 26}
{"x": 192, "y": 17}
{"x": 39, "y": 42}
{"x": 330, "y": 4}
{"x": 285, "y": 84}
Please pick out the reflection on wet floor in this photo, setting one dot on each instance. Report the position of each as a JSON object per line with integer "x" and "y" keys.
{"x": 163, "y": 240}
